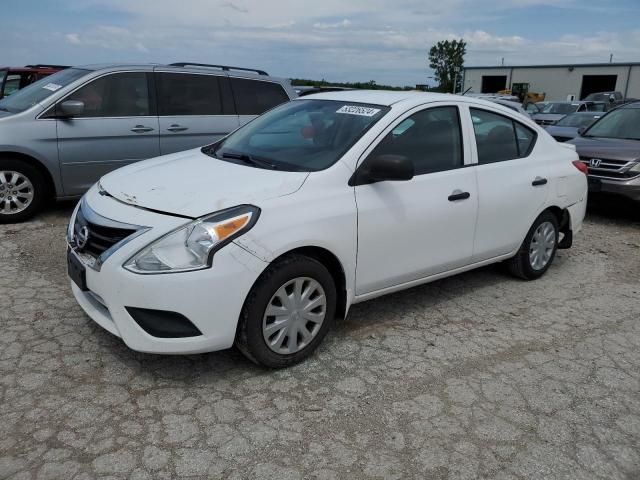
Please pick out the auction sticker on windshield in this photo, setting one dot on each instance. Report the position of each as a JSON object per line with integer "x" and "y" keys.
{"x": 52, "y": 86}
{"x": 358, "y": 110}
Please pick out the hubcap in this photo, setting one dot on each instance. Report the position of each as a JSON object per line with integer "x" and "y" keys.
{"x": 542, "y": 245}
{"x": 16, "y": 192}
{"x": 294, "y": 315}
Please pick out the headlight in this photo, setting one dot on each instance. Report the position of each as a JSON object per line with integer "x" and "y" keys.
{"x": 635, "y": 168}
{"x": 192, "y": 247}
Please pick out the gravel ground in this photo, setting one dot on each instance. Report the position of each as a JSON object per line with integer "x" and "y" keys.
{"x": 476, "y": 376}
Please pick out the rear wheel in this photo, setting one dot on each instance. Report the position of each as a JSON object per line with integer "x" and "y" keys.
{"x": 22, "y": 190}
{"x": 287, "y": 313}
{"x": 538, "y": 249}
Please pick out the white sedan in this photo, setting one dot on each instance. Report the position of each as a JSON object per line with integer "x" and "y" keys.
{"x": 262, "y": 239}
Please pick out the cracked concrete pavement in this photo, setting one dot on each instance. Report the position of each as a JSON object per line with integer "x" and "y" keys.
{"x": 475, "y": 376}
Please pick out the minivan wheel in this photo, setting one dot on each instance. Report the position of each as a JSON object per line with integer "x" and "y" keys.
{"x": 22, "y": 190}
{"x": 538, "y": 249}
{"x": 287, "y": 313}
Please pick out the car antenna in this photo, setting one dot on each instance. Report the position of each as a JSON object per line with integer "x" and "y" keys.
{"x": 465, "y": 92}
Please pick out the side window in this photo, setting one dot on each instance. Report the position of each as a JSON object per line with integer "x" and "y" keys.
{"x": 12, "y": 84}
{"x": 499, "y": 138}
{"x": 116, "y": 95}
{"x": 188, "y": 94}
{"x": 431, "y": 139}
{"x": 254, "y": 97}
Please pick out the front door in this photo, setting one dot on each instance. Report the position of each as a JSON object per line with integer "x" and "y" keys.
{"x": 118, "y": 126}
{"x": 414, "y": 229}
{"x": 194, "y": 110}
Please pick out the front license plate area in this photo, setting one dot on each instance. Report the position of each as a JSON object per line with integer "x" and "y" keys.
{"x": 595, "y": 184}
{"x": 77, "y": 271}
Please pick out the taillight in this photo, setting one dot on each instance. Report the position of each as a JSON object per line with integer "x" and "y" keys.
{"x": 581, "y": 166}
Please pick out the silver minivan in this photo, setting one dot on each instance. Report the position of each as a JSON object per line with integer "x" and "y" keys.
{"x": 59, "y": 135}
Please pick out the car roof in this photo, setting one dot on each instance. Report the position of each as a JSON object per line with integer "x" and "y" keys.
{"x": 630, "y": 105}
{"x": 248, "y": 73}
{"x": 389, "y": 97}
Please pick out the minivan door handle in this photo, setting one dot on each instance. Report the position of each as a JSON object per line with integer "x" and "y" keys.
{"x": 539, "y": 181}
{"x": 141, "y": 129}
{"x": 177, "y": 128}
{"x": 458, "y": 195}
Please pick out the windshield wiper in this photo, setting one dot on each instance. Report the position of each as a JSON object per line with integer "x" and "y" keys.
{"x": 250, "y": 159}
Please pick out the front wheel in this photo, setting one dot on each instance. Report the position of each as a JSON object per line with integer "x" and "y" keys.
{"x": 287, "y": 313}
{"x": 22, "y": 190}
{"x": 538, "y": 249}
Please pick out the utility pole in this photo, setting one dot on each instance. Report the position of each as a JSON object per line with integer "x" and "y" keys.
{"x": 456, "y": 71}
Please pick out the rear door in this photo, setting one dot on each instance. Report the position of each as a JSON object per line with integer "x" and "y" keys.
{"x": 253, "y": 97}
{"x": 194, "y": 109}
{"x": 512, "y": 183}
{"x": 119, "y": 126}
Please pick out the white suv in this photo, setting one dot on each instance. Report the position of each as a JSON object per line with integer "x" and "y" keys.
{"x": 266, "y": 236}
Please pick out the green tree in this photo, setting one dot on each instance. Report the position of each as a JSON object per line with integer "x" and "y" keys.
{"x": 446, "y": 58}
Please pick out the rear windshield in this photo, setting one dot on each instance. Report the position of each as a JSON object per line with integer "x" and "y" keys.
{"x": 303, "y": 135}
{"x": 40, "y": 90}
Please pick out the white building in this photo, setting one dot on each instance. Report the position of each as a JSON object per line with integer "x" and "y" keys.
{"x": 559, "y": 82}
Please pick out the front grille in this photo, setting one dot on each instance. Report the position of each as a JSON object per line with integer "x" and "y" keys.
{"x": 99, "y": 238}
{"x": 562, "y": 139}
{"x": 609, "y": 168}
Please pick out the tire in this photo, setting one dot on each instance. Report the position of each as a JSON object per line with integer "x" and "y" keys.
{"x": 525, "y": 264}
{"x": 256, "y": 328}
{"x": 28, "y": 183}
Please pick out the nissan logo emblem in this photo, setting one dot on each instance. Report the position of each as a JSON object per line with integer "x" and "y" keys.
{"x": 82, "y": 237}
{"x": 595, "y": 162}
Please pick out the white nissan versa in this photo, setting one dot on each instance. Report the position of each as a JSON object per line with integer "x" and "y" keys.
{"x": 266, "y": 236}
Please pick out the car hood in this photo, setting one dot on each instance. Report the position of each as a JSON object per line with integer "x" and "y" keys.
{"x": 193, "y": 184}
{"x": 549, "y": 116}
{"x": 613, "y": 148}
{"x": 554, "y": 130}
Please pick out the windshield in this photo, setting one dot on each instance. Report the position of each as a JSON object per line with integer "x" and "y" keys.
{"x": 303, "y": 135}
{"x": 40, "y": 90}
{"x": 621, "y": 123}
{"x": 560, "y": 108}
{"x": 577, "y": 120}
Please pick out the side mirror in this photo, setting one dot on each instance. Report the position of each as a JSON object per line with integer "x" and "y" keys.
{"x": 71, "y": 108}
{"x": 383, "y": 168}
{"x": 581, "y": 130}
{"x": 612, "y": 98}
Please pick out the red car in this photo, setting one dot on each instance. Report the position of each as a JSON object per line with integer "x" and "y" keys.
{"x": 15, "y": 78}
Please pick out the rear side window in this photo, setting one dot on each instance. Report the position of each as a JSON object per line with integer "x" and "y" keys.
{"x": 254, "y": 97}
{"x": 188, "y": 94}
{"x": 431, "y": 139}
{"x": 117, "y": 95}
{"x": 499, "y": 138}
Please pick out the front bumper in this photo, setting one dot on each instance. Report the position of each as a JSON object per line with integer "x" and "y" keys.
{"x": 627, "y": 188}
{"x": 210, "y": 299}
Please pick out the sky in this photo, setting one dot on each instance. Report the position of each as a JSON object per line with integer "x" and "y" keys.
{"x": 339, "y": 40}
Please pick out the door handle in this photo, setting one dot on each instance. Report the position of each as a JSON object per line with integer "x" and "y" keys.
{"x": 177, "y": 128}
{"x": 458, "y": 195}
{"x": 539, "y": 181}
{"x": 141, "y": 129}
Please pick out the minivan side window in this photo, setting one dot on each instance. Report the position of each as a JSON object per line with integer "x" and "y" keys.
{"x": 431, "y": 139}
{"x": 188, "y": 94}
{"x": 499, "y": 138}
{"x": 117, "y": 95}
{"x": 254, "y": 97}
